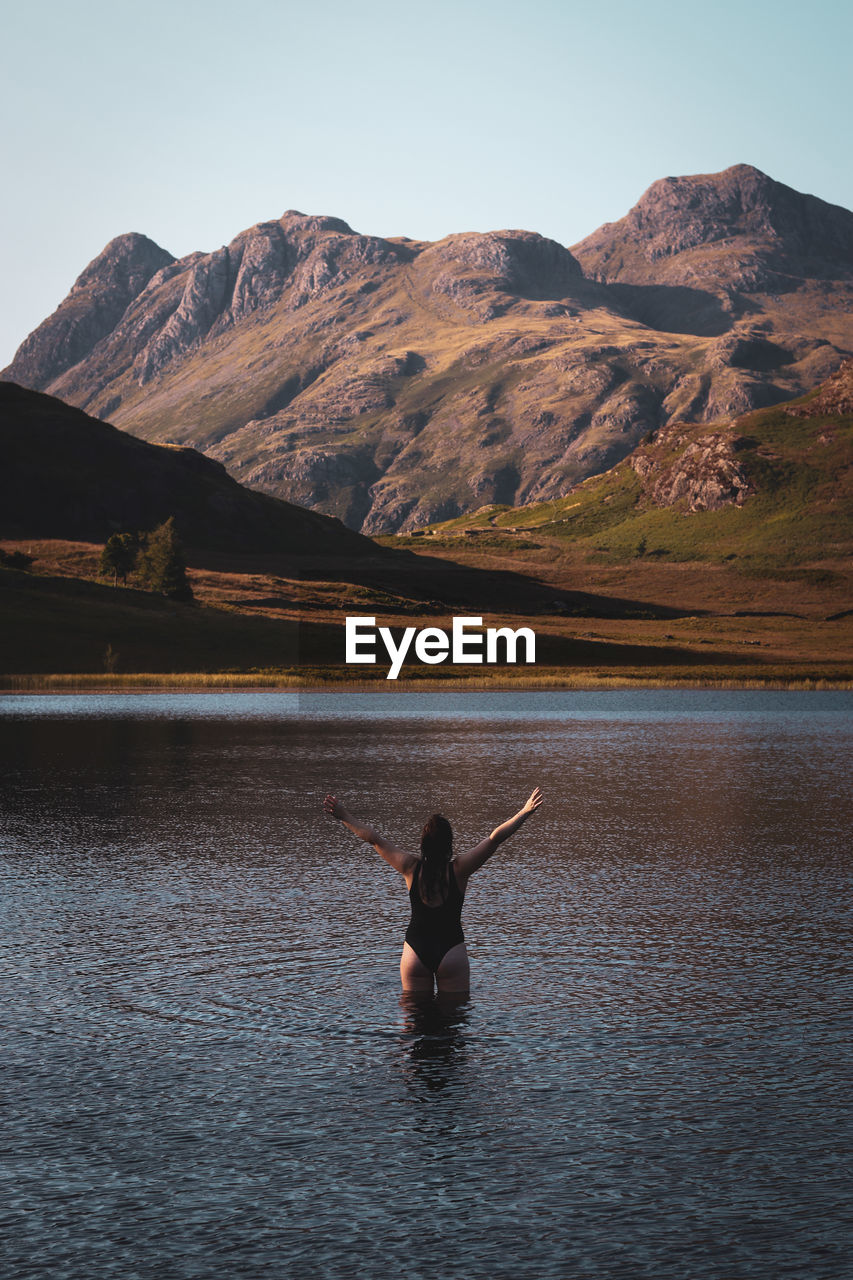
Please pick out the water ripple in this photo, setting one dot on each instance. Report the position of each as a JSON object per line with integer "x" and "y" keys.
{"x": 209, "y": 1069}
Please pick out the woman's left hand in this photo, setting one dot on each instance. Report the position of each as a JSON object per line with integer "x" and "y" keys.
{"x": 334, "y": 807}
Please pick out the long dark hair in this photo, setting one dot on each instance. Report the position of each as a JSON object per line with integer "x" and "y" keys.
{"x": 436, "y": 852}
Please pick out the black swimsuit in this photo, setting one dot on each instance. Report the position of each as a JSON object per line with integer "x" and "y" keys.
{"x": 433, "y": 931}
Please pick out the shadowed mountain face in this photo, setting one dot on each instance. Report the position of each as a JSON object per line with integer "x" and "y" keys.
{"x": 66, "y": 475}
{"x": 395, "y": 382}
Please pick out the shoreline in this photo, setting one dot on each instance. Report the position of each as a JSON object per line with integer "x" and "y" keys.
{"x": 256, "y": 682}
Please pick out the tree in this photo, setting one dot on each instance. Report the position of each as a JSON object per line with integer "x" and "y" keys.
{"x": 15, "y": 560}
{"x": 161, "y": 563}
{"x": 119, "y": 556}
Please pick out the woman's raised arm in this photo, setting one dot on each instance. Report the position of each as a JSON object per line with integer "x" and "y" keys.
{"x": 467, "y": 863}
{"x": 400, "y": 861}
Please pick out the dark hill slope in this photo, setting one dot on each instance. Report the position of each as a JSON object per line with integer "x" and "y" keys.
{"x": 66, "y": 475}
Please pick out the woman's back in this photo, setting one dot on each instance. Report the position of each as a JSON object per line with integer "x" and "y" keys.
{"x": 436, "y": 924}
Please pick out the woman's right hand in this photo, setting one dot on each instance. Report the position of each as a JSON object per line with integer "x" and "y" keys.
{"x": 533, "y": 802}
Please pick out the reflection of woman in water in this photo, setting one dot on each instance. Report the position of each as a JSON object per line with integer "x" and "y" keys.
{"x": 434, "y": 950}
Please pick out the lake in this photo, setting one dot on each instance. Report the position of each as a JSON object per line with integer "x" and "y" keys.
{"x": 208, "y": 1066}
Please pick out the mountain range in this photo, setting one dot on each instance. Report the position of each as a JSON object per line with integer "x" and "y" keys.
{"x": 394, "y": 382}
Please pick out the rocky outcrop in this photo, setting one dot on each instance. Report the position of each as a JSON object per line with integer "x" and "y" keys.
{"x": 200, "y": 306}
{"x": 705, "y": 474}
{"x": 748, "y": 349}
{"x": 335, "y": 260}
{"x": 266, "y": 257}
{"x": 835, "y": 397}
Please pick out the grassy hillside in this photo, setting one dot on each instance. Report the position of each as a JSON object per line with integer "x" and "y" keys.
{"x": 799, "y": 510}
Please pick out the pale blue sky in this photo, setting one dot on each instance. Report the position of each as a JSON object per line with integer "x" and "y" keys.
{"x": 189, "y": 120}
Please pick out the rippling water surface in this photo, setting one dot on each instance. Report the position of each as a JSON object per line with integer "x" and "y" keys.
{"x": 208, "y": 1068}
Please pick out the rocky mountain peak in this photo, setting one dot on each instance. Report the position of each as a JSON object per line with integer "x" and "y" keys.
{"x": 297, "y": 222}
{"x": 94, "y": 306}
{"x": 291, "y": 262}
{"x": 738, "y": 209}
{"x": 523, "y": 259}
{"x": 739, "y": 201}
{"x": 471, "y": 264}
{"x": 125, "y": 265}
{"x": 294, "y": 259}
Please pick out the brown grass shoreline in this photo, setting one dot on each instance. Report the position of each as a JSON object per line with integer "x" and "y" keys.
{"x": 324, "y": 682}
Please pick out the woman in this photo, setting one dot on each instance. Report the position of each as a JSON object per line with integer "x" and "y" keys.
{"x": 434, "y": 949}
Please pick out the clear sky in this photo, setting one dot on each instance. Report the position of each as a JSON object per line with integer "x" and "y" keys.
{"x": 189, "y": 120}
